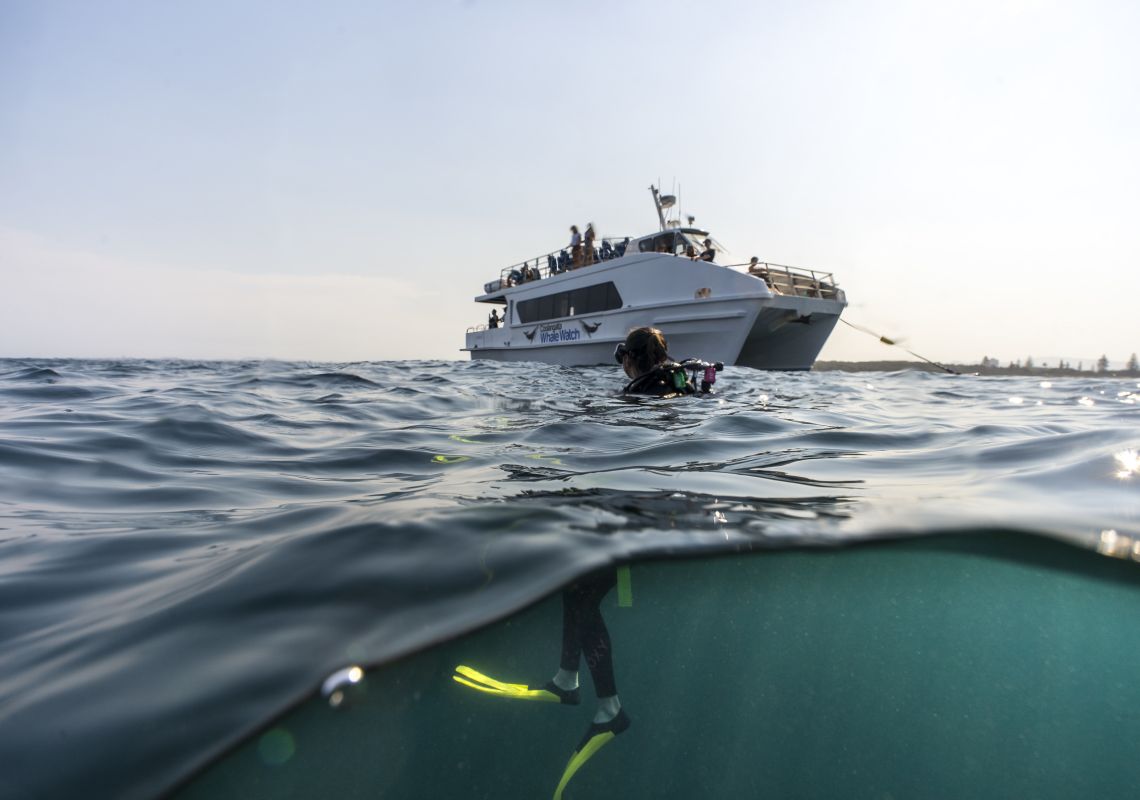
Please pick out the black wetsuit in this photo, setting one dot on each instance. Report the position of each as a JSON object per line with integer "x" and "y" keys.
{"x": 661, "y": 382}
{"x": 584, "y": 631}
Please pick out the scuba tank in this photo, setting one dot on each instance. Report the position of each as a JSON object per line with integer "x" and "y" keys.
{"x": 709, "y": 370}
{"x": 671, "y": 378}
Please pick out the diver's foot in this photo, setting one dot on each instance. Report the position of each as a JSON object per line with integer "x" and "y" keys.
{"x": 619, "y": 724}
{"x": 568, "y": 697}
{"x": 598, "y": 735}
{"x": 549, "y": 693}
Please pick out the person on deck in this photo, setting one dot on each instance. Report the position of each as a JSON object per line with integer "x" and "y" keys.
{"x": 709, "y": 253}
{"x": 575, "y": 247}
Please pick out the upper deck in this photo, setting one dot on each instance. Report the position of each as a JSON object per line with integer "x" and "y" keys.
{"x": 678, "y": 243}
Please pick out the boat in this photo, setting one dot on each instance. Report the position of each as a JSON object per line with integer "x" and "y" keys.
{"x": 573, "y": 306}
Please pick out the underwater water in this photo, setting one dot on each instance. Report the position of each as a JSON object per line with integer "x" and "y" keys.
{"x": 867, "y": 584}
{"x": 990, "y": 666}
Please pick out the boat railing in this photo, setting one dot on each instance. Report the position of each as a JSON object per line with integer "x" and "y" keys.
{"x": 555, "y": 263}
{"x": 780, "y": 278}
{"x": 797, "y": 281}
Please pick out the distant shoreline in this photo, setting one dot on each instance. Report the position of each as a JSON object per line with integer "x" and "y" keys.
{"x": 968, "y": 369}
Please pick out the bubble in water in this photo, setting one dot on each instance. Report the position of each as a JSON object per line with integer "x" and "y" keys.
{"x": 276, "y": 747}
{"x": 340, "y": 688}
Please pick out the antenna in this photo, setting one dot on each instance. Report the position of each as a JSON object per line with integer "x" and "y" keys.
{"x": 661, "y": 203}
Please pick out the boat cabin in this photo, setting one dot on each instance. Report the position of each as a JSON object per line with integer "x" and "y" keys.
{"x": 676, "y": 241}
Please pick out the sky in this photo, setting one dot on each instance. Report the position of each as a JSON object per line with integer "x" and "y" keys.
{"x": 336, "y": 181}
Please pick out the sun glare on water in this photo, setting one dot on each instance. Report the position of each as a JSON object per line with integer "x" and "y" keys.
{"x": 1129, "y": 461}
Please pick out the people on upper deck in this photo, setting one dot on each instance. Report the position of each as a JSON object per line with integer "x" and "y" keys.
{"x": 493, "y": 320}
{"x": 588, "y": 255}
{"x": 691, "y": 252}
{"x": 709, "y": 253}
{"x": 575, "y": 247}
{"x": 761, "y": 272}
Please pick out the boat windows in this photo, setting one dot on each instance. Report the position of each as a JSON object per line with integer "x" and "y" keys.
{"x": 674, "y": 242}
{"x": 587, "y": 300}
{"x": 662, "y": 243}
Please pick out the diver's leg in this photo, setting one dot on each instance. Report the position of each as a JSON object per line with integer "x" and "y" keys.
{"x": 596, "y": 644}
{"x": 567, "y": 676}
{"x": 582, "y": 622}
{"x": 584, "y": 632}
{"x": 582, "y": 614}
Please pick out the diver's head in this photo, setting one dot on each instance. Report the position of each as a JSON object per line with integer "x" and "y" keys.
{"x": 643, "y": 349}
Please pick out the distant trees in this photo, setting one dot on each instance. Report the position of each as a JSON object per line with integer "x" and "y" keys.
{"x": 1102, "y": 364}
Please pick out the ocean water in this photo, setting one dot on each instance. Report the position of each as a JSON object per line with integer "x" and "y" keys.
{"x": 188, "y": 549}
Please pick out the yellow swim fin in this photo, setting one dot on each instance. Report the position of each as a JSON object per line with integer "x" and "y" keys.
{"x": 549, "y": 693}
{"x": 597, "y": 736}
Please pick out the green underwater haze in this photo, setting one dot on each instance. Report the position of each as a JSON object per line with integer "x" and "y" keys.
{"x": 994, "y": 665}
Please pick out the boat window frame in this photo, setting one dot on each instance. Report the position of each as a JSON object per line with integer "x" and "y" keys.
{"x": 681, "y": 241}
{"x": 592, "y": 299}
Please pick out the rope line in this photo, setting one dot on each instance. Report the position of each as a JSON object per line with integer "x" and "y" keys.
{"x": 893, "y": 343}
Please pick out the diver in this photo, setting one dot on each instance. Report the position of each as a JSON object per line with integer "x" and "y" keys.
{"x": 645, "y": 358}
{"x": 584, "y": 633}
{"x": 646, "y": 361}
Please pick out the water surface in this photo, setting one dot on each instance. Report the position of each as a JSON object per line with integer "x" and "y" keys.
{"x": 188, "y": 548}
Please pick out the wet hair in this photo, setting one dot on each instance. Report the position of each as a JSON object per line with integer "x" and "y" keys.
{"x": 646, "y": 347}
